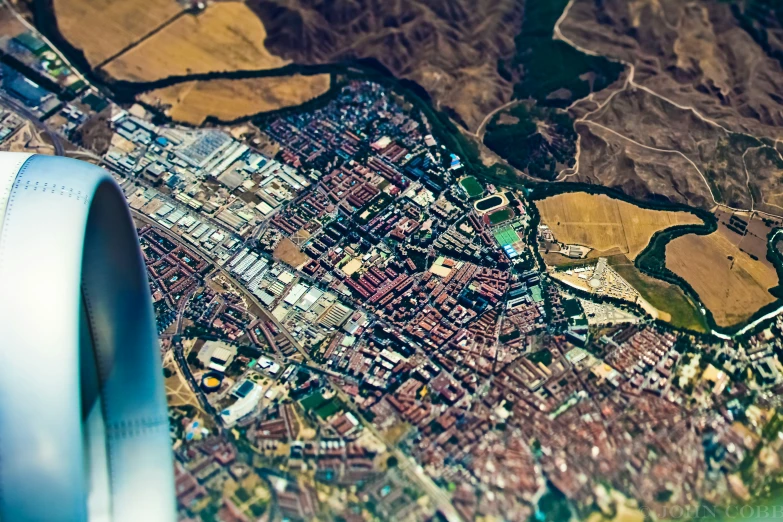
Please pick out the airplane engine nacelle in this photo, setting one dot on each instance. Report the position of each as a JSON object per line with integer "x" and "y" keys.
{"x": 84, "y": 432}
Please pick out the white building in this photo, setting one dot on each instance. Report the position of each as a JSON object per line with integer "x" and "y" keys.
{"x": 242, "y": 407}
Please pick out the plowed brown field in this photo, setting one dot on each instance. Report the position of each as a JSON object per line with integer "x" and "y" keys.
{"x": 228, "y": 100}
{"x": 730, "y": 283}
{"x": 609, "y": 226}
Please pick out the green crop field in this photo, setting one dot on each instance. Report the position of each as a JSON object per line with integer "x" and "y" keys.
{"x": 472, "y": 187}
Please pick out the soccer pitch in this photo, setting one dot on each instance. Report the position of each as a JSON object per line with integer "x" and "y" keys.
{"x": 472, "y": 187}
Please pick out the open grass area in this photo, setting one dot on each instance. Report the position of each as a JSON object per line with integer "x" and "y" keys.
{"x": 323, "y": 407}
{"x": 329, "y": 408}
{"x": 609, "y": 226}
{"x": 501, "y": 215}
{"x": 472, "y": 187}
{"x": 666, "y": 297}
{"x": 562, "y": 263}
{"x": 228, "y": 100}
{"x": 226, "y": 36}
{"x": 730, "y": 283}
{"x": 542, "y": 356}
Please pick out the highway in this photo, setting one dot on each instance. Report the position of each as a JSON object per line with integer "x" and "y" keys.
{"x": 13, "y": 105}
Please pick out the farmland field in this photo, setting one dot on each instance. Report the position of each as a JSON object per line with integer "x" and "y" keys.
{"x": 228, "y": 100}
{"x": 609, "y": 226}
{"x": 103, "y": 28}
{"x": 224, "y": 37}
{"x": 730, "y": 283}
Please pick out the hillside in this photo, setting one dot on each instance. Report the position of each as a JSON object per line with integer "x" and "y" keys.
{"x": 449, "y": 47}
{"x": 703, "y": 89}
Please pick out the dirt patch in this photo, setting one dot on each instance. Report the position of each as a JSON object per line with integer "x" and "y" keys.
{"x": 96, "y": 133}
{"x": 507, "y": 119}
{"x": 610, "y": 160}
{"x": 9, "y": 25}
{"x": 178, "y": 392}
{"x": 228, "y": 100}
{"x": 765, "y": 166}
{"x": 287, "y": 252}
{"x": 28, "y": 139}
{"x": 730, "y": 283}
{"x": 609, "y": 226}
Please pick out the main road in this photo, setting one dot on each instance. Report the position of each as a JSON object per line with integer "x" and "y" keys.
{"x": 13, "y": 105}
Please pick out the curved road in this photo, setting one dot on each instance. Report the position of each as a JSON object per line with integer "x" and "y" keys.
{"x": 11, "y": 104}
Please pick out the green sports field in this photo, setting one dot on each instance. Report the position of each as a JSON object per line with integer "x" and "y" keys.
{"x": 506, "y": 235}
{"x": 499, "y": 216}
{"x": 472, "y": 187}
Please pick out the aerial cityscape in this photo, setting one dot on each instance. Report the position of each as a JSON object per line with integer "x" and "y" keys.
{"x": 521, "y": 262}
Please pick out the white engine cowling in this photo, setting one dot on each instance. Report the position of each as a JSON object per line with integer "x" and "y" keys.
{"x": 84, "y": 432}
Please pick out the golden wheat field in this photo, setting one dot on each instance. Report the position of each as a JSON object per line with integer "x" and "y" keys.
{"x": 103, "y": 28}
{"x": 226, "y": 36}
{"x": 228, "y": 100}
{"x": 730, "y": 283}
{"x": 609, "y": 226}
